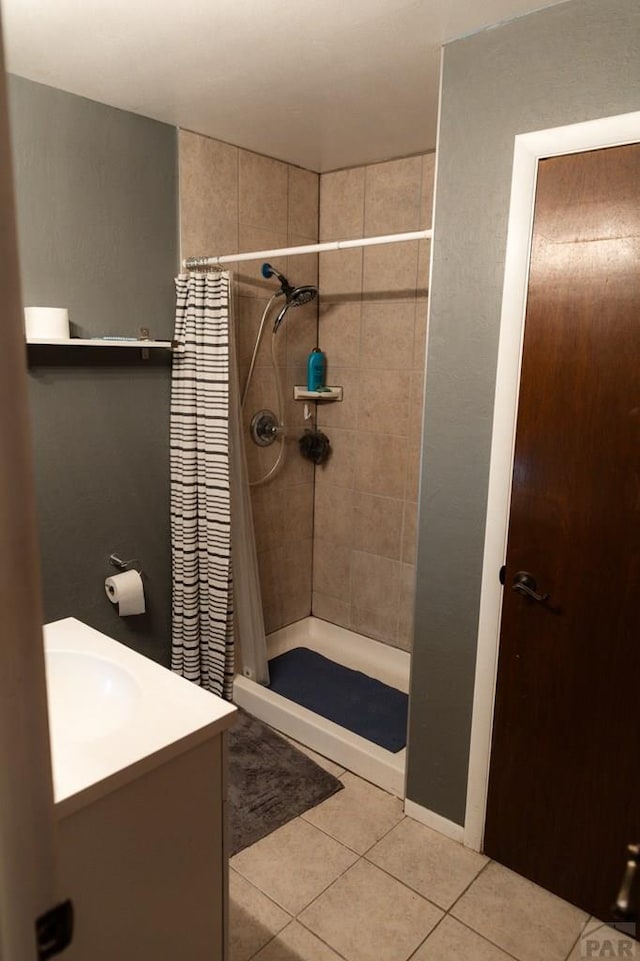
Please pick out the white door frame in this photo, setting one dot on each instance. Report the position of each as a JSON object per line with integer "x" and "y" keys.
{"x": 528, "y": 150}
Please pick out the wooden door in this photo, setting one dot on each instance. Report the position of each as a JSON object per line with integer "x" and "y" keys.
{"x": 564, "y": 786}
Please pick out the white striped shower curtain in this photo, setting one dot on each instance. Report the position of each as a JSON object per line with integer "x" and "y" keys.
{"x": 202, "y": 648}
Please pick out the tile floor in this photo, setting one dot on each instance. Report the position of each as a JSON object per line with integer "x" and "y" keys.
{"x": 353, "y": 879}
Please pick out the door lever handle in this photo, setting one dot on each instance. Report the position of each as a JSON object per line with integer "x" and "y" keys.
{"x": 623, "y": 909}
{"x": 525, "y": 583}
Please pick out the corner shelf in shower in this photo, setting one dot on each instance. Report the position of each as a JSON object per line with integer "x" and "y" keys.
{"x": 329, "y": 393}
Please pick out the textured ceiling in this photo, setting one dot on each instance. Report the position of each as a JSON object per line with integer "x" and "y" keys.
{"x": 321, "y": 84}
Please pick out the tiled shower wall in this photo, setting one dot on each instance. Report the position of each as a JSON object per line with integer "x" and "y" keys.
{"x": 232, "y": 200}
{"x": 372, "y": 327}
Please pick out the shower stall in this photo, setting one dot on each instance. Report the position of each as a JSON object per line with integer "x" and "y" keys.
{"x": 335, "y": 542}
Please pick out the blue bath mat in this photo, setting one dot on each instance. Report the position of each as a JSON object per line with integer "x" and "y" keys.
{"x": 349, "y": 698}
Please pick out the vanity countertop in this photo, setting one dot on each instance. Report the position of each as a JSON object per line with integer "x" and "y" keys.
{"x": 115, "y": 714}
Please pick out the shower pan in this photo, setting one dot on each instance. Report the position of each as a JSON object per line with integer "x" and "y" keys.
{"x": 380, "y": 661}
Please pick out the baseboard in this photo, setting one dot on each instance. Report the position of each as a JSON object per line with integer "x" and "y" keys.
{"x": 435, "y": 821}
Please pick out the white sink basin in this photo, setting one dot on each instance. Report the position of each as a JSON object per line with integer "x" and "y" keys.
{"x": 89, "y": 696}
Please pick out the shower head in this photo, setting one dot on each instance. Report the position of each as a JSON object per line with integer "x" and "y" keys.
{"x": 295, "y": 296}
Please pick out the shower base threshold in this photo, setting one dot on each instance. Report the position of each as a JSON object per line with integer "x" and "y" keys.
{"x": 349, "y": 750}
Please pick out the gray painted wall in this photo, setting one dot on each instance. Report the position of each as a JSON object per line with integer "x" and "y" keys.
{"x": 96, "y": 193}
{"x": 570, "y": 63}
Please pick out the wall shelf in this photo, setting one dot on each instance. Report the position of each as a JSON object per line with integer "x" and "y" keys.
{"x": 329, "y": 393}
{"x": 100, "y": 342}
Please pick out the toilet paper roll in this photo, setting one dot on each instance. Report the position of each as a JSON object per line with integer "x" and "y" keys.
{"x": 127, "y": 591}
{"x": 46, "y": 323}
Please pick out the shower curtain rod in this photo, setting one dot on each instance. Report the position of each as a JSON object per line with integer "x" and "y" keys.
{"x": 192, "y": 263}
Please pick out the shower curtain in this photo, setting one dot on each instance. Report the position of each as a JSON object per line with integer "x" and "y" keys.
{"x": 209, "y": 486}
{"x": 202, "y": 648}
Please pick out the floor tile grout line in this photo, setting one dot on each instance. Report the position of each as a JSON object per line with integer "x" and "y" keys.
{"x": 263, "y": 893}
{"x": 580, "y": 936}
{"x": 322, "y": 940}
{"x": 324, "y": 890}
{"x": 472, "y": 882}
{"x": 406, "y": 885}
{"x": 361, "y": 854}
{"x": 484, "y": 937}
{"x": 433, "y": 930}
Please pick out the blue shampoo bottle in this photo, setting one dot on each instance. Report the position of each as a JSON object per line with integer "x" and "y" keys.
{"x": 316, "y": 368}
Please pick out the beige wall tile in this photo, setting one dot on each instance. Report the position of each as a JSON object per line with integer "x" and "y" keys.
{"x": 392, "y": 196}
{"x": 404, "y": 636}
{"x": 376, "y": 525}
{"x": 261, "y": 394}
{"x": 390, "y": 270}
{"x": 339, "y": 333}
{"x": 409, "y": 532}
{"x": 302, "y": 336}
{"x": 342, "y": 204}
{"x": 334, "y": 514}
{"x": 250, "y": 280}
{"x": 341, "y": 275}
{"x": 208, "y": 176}
{"x": 273, "y": 617}
{"x": 296, "y": 469}
{"x": 249, "y": 317}
{"x": 420, "y": 336}
{"x": 406, "y": 605}
{"x": 387, "y": 334}
{"x": 424, "y": 267}
{"x": 205, "y": 235}
{"x": 428, "y": 183}
{"x": 381, "y": 464}
{"x": 416, "y": 406}
{"x": 330, "y": 609}
{"x": 412, "y": 478}
{"x": 375, "y": 583}
{"x": 263, "y": 192}
{"x": 383, "y": 402}
{"x": 233, "y": 200}
{"x": 382, "y": 627}
{"x": 298, "y": 510}
{"x": 342, "y": 413}
{"x": 340, "y": 468}
{"x": 304, "y": 190}
{"x": 295, "y": 606}
{"x": 332, "y": 569}
{"x": 303, "y": 267}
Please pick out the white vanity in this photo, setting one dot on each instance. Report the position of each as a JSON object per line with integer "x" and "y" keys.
{"x": 138, "y": 760}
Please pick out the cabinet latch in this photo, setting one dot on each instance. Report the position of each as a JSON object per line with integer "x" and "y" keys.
{"x": 54, "y": 930}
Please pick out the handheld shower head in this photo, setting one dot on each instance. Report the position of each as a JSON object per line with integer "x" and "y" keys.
{"x": 295, "y": 296}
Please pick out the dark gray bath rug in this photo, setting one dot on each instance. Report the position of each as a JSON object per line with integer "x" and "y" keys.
{"x": 270, "y": 782}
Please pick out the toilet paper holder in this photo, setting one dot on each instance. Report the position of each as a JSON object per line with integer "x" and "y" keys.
{"x": 125, "y": 565}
